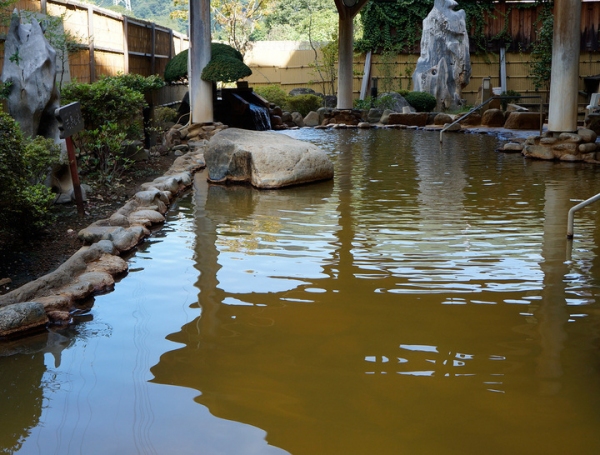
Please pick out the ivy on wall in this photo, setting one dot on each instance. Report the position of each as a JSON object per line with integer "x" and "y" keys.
{"x": 397, "y": 24}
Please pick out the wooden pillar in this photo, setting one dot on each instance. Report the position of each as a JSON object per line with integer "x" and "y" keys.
{"x": 564, "y": 79}
{"x": 153, "y": 57}
{"x": 346, "y": 57}
{"x": 201, "y": 102}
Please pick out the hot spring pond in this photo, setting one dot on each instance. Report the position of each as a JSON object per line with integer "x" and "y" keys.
{"x": 424, "y": 302}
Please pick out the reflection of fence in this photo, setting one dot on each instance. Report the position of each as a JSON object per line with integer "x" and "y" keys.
{"x": 109, "y": 42}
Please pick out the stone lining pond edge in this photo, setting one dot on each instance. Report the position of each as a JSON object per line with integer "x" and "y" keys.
{"x": 52, "y": 298}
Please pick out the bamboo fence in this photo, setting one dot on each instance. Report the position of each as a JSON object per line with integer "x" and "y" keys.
{"x": 108, "y": 43}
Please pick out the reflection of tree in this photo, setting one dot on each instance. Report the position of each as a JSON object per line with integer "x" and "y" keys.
{"x": 21, "y": 398}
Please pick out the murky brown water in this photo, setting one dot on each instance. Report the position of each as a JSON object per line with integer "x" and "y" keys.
{"x": 426, "y": 302}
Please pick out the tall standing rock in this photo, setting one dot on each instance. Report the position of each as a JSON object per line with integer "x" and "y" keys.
{"x": 444, "y": 67}
{"x": 30, "y": 68}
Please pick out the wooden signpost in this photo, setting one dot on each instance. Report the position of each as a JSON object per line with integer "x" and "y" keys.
{"x": 70, "y": 121}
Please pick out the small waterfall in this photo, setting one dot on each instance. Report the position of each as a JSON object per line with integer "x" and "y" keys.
{"x": 260, "y": 115}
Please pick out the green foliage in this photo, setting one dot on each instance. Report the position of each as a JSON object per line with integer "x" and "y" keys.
{"x": 300, "y": 20}
{"x": 397, "y": 24}
{"x": 516, "y": 96}
{"x": 304, "y": 103}
{"x": 40, "y": 154}
{"x": 541, "y": 52}
{"x": 164, "y": 114}
{"x": 273, "y": 94}
{"x": 101, "y": 153}
{"x": 223, "y": 68}
{"x": 177, "y": 68}
{"x": 110, "y": 99}
{"x": 421, "y": 101}
{"x": 112, "y": 110}
{"x": 157, "y": 11}
{"x": 24, "y": 165}
{"x": 387, "y": 66}
{"x": 382, "y": 102}
{"x": 326, "y": 66}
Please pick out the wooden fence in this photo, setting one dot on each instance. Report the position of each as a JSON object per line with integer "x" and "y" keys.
{"x": 108, "y": 42}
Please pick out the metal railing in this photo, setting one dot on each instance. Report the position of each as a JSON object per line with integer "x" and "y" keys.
{"x": 497, "y": 97}
{"x": 571, "y": 217}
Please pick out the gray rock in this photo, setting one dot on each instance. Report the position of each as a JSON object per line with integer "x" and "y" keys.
{"x": 513, "y": 147}
{"x": 588, "y": 148}
{"x": 30, "y": 66}
{"x": 311, "y": 119}
{"x": 442, "y": 119}
{"x": 374, "y": 115}
{"x": 493, "y": 118}
{"x": 538, "y": 151}
{"x": 265, "y": 159}
{"x": 453, "y": 128}
{"x": 298, "y": 119}
{"x": 444, "y": 67}
{"x": 587, "y": 135}
{"x": 385, "y": 117}
{"x": 22, "y": 317}
{"x": 323, "y": 113}
{"x": 395, "y": 101}
{"x": 570, "y": 137}
{"x": 417, "y": 119}
{"x": 523, "y": 121}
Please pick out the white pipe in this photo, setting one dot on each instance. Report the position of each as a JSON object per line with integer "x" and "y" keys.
{"x": 571, "y": 217}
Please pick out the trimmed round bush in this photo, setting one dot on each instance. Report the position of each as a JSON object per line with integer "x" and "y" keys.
{"x": 177, "y": 68}
{"x": 421, "y": 101}
{"x": 223, "y": 68}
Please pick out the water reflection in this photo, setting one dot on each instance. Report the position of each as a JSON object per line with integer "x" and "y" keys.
{"x": 363, "y": 318}
{"x": 421, "y": 303}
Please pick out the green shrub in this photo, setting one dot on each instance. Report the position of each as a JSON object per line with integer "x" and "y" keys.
{"x": 421, "y": 101}
{"x": 273, "y": 94}
{"x": 109, "y": 100}
{"x": 101, "y": 153}
{"x": 24, "y": 164}
{"x": 177, "y": 68}
{"x": 223, "y": 68}
{"x": 304, "y": 103}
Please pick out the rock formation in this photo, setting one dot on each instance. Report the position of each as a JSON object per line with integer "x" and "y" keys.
{"x": 265, "y": 159}
{"x": 30, "y": 68}
{"x": 444, "y": 67}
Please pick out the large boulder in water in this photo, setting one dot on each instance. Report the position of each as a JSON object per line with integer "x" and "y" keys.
{"x": 265, "y": 159}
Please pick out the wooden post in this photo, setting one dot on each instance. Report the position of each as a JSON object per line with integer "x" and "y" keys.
{"x": 70, "y": 121}
{"x": 153, "y": 57}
